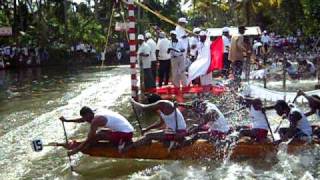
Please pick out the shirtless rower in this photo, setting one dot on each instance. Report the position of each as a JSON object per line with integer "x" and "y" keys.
{"x": 170, "y": 116}
{"x": 299, "y": 125}
{"x": 119, "y": 131}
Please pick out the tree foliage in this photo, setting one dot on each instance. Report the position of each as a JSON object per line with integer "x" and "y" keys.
{"x": 62, "y": 23}
{"x": 282, "y": 16}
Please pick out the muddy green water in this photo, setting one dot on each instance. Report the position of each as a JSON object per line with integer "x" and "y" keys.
{"x": 33, "y": 99}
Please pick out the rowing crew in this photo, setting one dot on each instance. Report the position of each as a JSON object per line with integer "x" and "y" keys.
{"x": 212, "y": 124}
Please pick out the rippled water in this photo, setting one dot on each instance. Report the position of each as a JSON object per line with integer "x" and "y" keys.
{"x": 32, "y": 101}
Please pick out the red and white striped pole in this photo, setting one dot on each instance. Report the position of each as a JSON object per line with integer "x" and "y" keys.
{"x": 133, "y": 49}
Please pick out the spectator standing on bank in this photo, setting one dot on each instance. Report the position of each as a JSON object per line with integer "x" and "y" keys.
{"x": 237, "y": 49}
{"x": 144, "y": 54}
{"x": 177, "y": 61}
{"x": 226, "y": 48}
{"x": 183, "y": 36}
{"x": 153, "y": 46}
{"x": 164, "y": 59}
{"x": 266, "y": 41}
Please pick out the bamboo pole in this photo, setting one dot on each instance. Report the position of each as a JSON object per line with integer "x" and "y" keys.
{"x": 318, "y": 73}
{"x": 284, "y": 87}
{"x": 264, "y": 77}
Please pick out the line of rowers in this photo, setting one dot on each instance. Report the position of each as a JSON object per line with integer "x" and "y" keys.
{"x": 212, "y": 124}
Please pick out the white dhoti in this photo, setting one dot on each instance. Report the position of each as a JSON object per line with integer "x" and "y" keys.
{"x": 206, "y": 79}
{"x": 178, "y": 71}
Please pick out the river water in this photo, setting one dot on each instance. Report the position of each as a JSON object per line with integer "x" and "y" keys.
{"x": 32, "y": 100}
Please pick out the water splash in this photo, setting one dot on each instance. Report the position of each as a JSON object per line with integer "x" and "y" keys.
{"x": 17, "y": 157}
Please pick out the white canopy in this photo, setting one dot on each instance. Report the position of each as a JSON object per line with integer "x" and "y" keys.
{"x": 251, "y": 31}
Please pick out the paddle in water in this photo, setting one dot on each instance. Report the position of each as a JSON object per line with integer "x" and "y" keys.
{"x": 137, "y": 117}
{"x": 264, "y": 113}
{"x": 66, "y": 138}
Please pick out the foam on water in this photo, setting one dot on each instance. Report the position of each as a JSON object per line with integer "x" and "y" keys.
{"x": 302, "y": 166}
{"x": 16, "y": 153}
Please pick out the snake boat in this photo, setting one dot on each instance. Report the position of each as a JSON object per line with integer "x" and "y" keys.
{"x": 197, "y": 150}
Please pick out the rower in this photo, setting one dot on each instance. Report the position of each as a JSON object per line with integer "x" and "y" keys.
{"x": 299, "y": 125}
{"x": 259, "y": 124}
{"x": 212, "y": 123}
{"x": 170, "y": 116}
{"x": 314, "y": 103}
{"x": 118, "y": 130}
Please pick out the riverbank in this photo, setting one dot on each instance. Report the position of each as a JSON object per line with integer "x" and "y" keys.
{"x": 60, "y": 57}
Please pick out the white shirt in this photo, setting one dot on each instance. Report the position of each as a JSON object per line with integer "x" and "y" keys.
{"x": 145, "y": 49}
{"x": 193, "y": 40}
{"x": 153, "y": 46}
{"x": 185, "y": 45}
{"x": 226, "y": 44}
{"x": 265, "y": 39}
{"x": 204, "y": 54}
{"x": 171, "y": 121}
{"x": 180, "y": 32}
{"x": 177, "y": 46}
{"x": 115, "y": 121}
{"x": 258, "y": 119}
{"x": 303, "y": 123}
{"x": 255, "y": 47}
{"x": 220, "y": 124}
{"x": 163, "y": 46}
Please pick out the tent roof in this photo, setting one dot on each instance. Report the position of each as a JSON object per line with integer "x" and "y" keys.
{"x": 251, "y": 31}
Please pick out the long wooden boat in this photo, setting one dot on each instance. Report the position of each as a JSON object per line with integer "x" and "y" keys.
{"x": 198, "y": 150}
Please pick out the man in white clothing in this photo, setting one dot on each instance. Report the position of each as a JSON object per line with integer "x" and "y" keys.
{"x": 226, "y": 46}
{"x": 119, "y": 131}
{"x": 170, "y": 117}
{"x": 153, "y": 46}
{"x": 204, "y": 53}
{"x": 164, "y": 59}
{"x": 265, "y": 40}
{"x": 182, "y": 35}
{"x": 258, "y": 130}
{"x": 212, "y": 123}
{"x": 144, "y": 53}
{"x": 193, "y": 42}
{"x": 176, "y": 51}
{"x": 299, "y": 125}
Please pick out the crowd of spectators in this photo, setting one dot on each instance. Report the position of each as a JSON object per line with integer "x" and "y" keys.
{"x": 13, "y": 56}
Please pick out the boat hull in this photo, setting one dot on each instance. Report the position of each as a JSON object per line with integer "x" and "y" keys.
{"x": 198, "y": 150}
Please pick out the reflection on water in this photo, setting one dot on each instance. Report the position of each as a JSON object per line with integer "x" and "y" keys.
{"x": 33, "y": 99}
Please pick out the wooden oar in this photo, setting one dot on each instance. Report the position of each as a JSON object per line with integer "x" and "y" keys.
{"x": 264, "y": 113}
{"x": 294, "y": 100}
{"x": 66, "y": 138}
{"x": 137, "y": 117}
